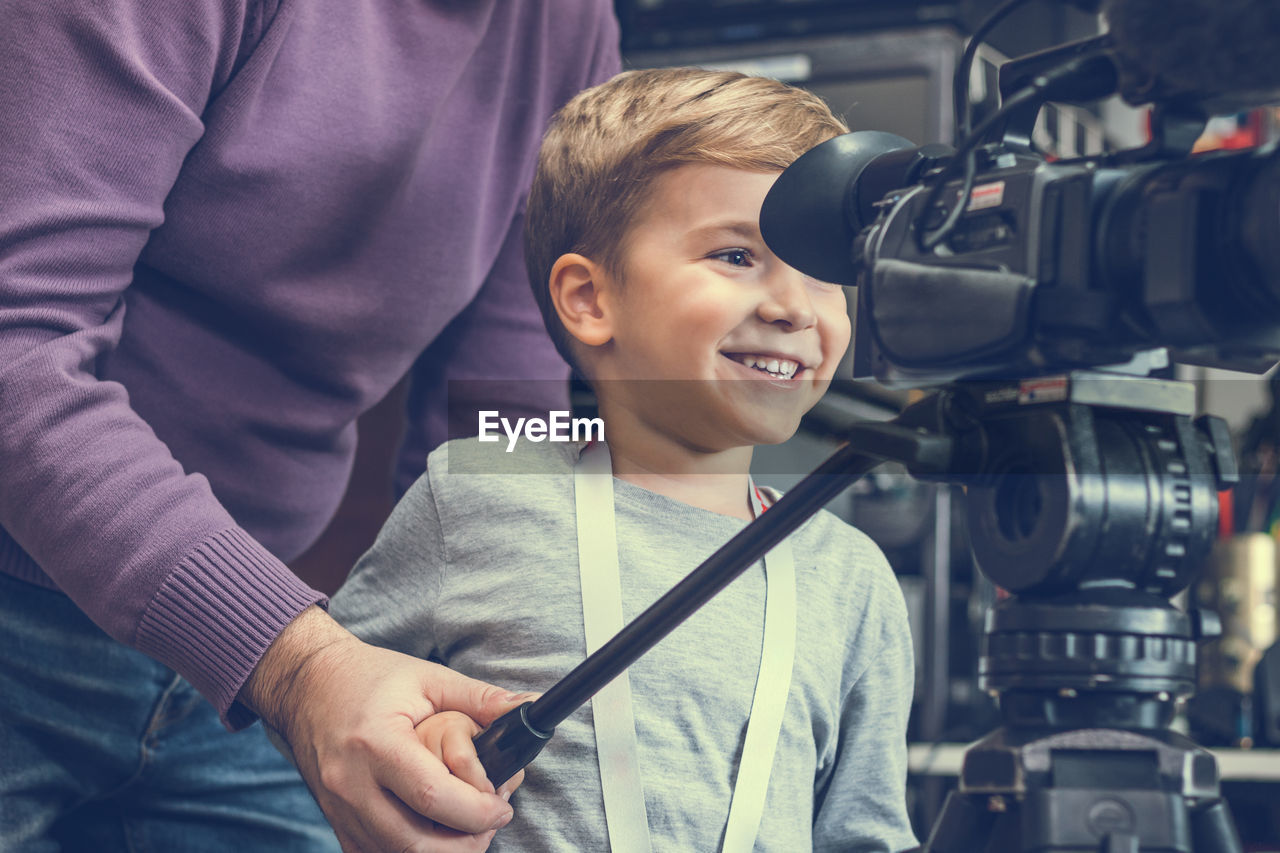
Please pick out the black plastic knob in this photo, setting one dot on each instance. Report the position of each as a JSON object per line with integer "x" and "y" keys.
{"x": 509, "y": 744}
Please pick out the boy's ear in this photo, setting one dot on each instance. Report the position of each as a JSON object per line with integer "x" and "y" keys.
{"x": 579, "y": 291}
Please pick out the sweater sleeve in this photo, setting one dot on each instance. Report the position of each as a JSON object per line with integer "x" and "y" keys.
{"x": 497, "y": 354}
{"x": 860, "y": 804}
{"x": 101, "y": 102}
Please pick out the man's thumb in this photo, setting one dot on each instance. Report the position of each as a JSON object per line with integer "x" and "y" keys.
{"x": 451, "y": 691}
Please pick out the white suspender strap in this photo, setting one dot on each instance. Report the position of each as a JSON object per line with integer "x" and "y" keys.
{"x": 773, "y": 683}
{"x": 611, "y": 710}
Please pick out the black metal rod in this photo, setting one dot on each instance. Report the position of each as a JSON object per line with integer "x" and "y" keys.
{"x": 662, "y": 617}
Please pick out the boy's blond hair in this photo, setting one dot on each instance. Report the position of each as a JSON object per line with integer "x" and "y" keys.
{"x": 606, "y": 147}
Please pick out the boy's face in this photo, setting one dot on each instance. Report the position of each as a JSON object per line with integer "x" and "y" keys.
{"x": 705, "y": 299}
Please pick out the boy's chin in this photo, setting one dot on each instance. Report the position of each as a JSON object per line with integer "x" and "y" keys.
{"x": 773, "y": 430}
{"x": 740, "y": 430}
{"x": 772, "y": 439}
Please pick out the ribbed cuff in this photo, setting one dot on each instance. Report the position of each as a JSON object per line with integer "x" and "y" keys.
{"x": 216, "y": 614}
{"x": 18, "y": 563}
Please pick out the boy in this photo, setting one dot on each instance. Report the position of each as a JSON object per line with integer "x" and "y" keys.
{"x": 643, "y": 244}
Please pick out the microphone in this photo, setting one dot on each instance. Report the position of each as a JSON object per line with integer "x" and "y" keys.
{"x": 1219, "y": 54}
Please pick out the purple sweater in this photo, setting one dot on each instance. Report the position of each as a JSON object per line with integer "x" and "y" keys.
{"x": 227, "y": 228}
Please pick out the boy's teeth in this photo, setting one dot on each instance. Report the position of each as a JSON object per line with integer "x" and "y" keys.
{"x": 778, "y": 367}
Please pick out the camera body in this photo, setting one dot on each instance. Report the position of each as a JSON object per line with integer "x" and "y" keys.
{"x": 1058, "y": 266}
{"x": 1098, "y": 262}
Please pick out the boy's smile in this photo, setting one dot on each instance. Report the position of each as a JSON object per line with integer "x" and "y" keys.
{"x": 704, "y": 299}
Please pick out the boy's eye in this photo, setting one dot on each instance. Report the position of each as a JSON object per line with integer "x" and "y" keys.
{"x": 734, "y": 257}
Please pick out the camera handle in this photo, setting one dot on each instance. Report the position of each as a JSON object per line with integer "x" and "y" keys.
{"x": 516, "y": 738}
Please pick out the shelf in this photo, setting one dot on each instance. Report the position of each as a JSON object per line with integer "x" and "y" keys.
{"x": 1234, "y": 765}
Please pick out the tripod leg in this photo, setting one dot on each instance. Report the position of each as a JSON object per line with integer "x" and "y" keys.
{"x": 964, "y": 820}
{"x": 1213, "y": 830}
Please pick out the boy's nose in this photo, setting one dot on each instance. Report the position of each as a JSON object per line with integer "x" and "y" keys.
{"x": 788, "y": 300}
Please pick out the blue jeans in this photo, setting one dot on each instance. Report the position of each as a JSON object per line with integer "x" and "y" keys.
{"x": 103, "y": 749}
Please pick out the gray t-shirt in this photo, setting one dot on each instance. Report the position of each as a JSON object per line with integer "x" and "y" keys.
{"x": 478, "y": 568}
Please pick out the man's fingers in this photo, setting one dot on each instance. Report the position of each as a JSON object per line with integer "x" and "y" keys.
{"x": 401, "y": 823}
{"x": 425, "y": 785}
{"x": 508, "y": 787}
{"x": 459, "y": 754}
{"x": 387, "y": 824}
{"x": 347, "y": 843}
{"x": 451, "y": 691}
{"x": 448, "y": 735}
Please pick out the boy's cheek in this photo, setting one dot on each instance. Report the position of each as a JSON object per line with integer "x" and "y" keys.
{"x": 838, "y": 337}
{"x": 832, "y": 304}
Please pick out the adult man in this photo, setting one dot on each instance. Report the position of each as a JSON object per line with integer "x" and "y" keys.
{"x": 228, "y": 228}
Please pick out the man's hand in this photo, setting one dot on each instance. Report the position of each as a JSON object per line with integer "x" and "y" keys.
{"x": 348, "y": 712}
{"x": 450, "y": 737}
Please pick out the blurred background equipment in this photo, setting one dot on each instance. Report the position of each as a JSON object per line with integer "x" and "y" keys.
{"x": 1240, "y": 586}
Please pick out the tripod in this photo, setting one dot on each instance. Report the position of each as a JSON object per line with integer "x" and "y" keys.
{"x": 1091, "y": 499}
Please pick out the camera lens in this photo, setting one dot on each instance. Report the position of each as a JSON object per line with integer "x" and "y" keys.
{"x": 1019, "y": 501}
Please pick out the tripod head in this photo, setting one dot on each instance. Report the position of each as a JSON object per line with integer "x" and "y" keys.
{"x": 1083, "y": 480}
{"x": 1091, "y": 499}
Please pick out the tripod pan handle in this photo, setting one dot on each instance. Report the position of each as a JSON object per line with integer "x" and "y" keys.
{"x": 509, "y": 744}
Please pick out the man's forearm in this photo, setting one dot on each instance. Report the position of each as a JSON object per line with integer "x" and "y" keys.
{"x": 288, "y": 663}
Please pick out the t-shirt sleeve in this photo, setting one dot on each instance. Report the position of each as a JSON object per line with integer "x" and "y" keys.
{"x": 391, "y": 595}
{"x": 860, "y": 805}
{"x": 100, "y": 104}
